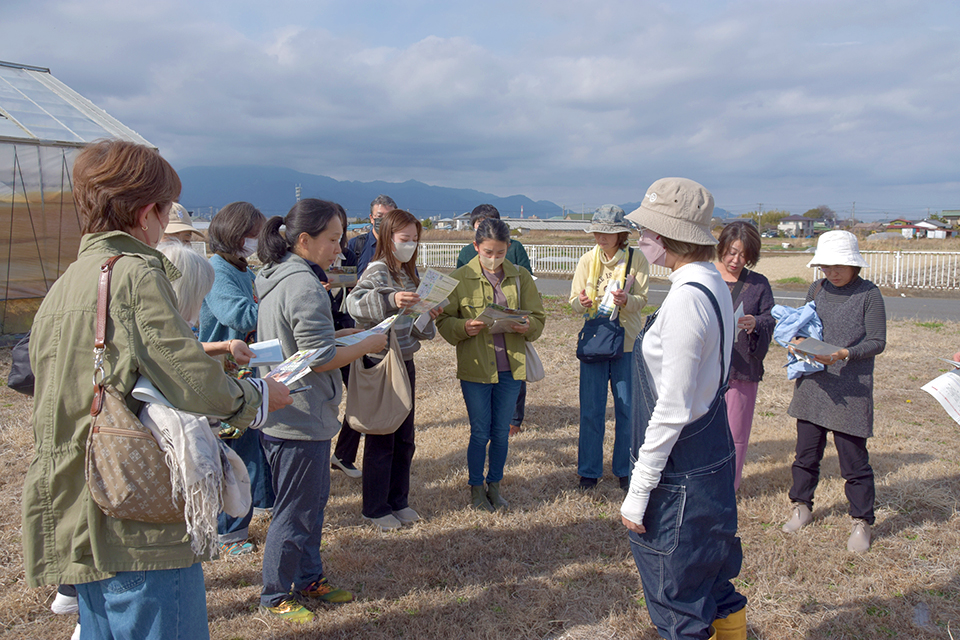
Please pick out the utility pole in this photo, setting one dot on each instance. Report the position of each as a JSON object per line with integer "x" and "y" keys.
{"x": 853, "y": 214}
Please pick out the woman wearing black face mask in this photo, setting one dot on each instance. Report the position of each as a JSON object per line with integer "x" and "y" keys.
{"x": 490, "y": 366}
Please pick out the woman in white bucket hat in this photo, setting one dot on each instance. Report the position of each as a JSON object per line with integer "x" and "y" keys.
{"x": 839, "y": 399}
{"x": 681, "y": 508}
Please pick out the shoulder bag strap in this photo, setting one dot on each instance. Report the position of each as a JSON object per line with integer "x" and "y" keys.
{"x": 99, "y": 343}
{"x": 716, "y": 307}
{"x": 735, "y": 292}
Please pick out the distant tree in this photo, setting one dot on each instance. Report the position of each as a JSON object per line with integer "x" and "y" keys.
{"x": 767, "y": 218}
{"x": 822, "y": 212}
{"x": 427, "y": 223}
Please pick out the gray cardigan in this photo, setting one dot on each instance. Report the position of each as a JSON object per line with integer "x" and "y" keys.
{"x": 295, "y": 308}
{"x": 840, "y": 398}
{"x": 371, "y": 302}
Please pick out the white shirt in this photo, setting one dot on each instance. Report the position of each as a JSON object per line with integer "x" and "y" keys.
{"x": 681, "y": 351}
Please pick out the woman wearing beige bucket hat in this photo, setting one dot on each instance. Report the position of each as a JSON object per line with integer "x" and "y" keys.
{"x": 839, "y": 399}
{"x": 681, "y": 507}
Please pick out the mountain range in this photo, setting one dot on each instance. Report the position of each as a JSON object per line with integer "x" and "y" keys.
{"x": 273, "y": 191}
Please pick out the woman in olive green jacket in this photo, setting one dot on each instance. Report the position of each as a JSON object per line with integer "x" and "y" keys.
{"x": 490, "y": 366}
{"x": 133, "y": 579}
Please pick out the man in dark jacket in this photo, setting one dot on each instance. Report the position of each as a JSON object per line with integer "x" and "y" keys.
{"x": 365, "y": 246}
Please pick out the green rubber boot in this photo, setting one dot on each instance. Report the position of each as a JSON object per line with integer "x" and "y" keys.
{"x": 479, "y": 499}
{"x": 493, "y": 495}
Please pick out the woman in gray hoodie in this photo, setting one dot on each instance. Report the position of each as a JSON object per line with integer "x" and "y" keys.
{"x": 295, "y": 308}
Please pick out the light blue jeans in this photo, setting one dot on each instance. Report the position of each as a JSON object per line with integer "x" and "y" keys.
{"x": 594, "y": 378}
{"x": 489, "y": 408}
{"x": 167, "y": 604}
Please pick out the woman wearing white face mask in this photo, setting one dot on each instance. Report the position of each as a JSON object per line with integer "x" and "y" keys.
{"x": 490, "y": 365}
{"x": 387, "y": 287}
{"x": 229, "y": 314}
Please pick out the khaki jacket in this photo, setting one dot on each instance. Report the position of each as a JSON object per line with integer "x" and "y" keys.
{"x": 476, "y": 359}
{"x": 66, "y": 538}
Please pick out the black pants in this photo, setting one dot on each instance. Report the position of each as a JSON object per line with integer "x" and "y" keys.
{"x": 854, "y": 467}
{"x": 348, "y": 442}
{"x": 386, "y": 463}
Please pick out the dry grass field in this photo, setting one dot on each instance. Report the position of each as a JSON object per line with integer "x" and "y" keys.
{"x": 558, "y": 565}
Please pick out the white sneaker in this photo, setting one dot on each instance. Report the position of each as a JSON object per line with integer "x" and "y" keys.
{"x": 76, "y": 633}
{"x": 65, "y": 605}
{"x": 385, "y": 523}
{"x": 346, "y": 467}
{"x": 406, "y": 516}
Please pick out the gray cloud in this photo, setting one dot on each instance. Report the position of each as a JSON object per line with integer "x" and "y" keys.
{"x": 795, "y": 103}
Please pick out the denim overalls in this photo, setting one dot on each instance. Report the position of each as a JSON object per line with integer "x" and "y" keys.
{"x": 690, "y": 550}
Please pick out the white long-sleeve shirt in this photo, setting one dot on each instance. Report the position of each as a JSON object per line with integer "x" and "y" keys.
{"x": 681, "y": 351}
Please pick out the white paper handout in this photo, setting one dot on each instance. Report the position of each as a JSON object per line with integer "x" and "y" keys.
{"x": 354, "y": 338}
{"x": 736, "y": 319}
{"x": 946, "y": 389}
{"x": 268, "y": 353}
{"x": 145, "y": 391}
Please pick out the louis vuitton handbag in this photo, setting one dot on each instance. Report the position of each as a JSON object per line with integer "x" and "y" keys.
{"x": 125, "y": 470}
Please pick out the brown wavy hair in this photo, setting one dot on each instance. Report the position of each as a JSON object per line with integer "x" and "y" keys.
{"x": 114, "y": 179}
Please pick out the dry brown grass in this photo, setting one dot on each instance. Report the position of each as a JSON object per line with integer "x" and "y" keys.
{"x": 557, "y": 565}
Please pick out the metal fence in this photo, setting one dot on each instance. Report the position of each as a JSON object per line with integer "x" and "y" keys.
{"x": 895, "y": 269}
{"x": 545, "y": 259}
{"x": 911, "y": 269}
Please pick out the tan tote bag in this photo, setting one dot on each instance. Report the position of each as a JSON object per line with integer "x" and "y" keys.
{"x": 379, "y": 397}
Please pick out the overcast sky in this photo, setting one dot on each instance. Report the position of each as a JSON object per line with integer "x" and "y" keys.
{"x": 791, "y": 104}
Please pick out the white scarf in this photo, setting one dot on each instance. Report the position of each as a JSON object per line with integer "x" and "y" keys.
{"x": 206, "y": 473}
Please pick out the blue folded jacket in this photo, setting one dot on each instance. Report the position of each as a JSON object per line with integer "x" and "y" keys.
{"x": 802, "y": 322}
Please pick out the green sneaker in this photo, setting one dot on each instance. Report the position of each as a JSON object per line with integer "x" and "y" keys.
{"x": 290, "y": 610}
{"x": 323, "y": 590}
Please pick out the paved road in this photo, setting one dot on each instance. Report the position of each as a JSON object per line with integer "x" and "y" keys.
{"x": 898, "y": 308}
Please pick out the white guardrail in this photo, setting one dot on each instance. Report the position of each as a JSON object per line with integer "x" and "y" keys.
{"x": 545, "y": 259}
{"x": 911, "y": 269}
{"x": 894, "y": 269}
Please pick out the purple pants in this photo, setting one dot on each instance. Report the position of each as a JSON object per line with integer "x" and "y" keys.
{"x": 741, "y": 398}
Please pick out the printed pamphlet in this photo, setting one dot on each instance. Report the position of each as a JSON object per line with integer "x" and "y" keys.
{"x": 946, "y": 389}
{"x": 341, "y": 276}
{"x": 500, "y": 319}
{"x": 434, "y": 289}
{"x": 294, "y": 367}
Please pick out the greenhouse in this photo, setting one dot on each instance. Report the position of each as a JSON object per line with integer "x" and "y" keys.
{"x": 43, "y": 126}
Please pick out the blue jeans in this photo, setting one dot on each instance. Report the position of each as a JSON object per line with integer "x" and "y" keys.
{"x": 489, "y": 408}
{"x": 167, "y": 604}
{"x": 301, "y": 480}
{"x": 593, "y": 409}
{"x": 248, "y": 447}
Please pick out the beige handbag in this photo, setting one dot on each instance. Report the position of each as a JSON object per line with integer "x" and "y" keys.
{"x": 534, "y": 366}
{"x": 379, "y": 397}
{"x": 125, "y": 468}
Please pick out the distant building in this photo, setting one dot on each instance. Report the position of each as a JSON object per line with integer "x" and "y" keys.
{"x": 951, "y": 216}
{"x": 795, "y": 226}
